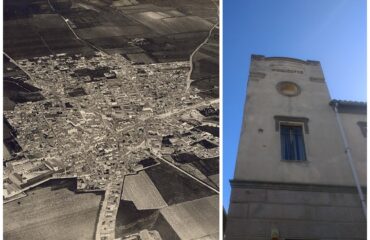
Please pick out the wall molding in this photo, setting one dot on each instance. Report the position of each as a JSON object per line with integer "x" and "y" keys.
{"x": 236, "y": 183}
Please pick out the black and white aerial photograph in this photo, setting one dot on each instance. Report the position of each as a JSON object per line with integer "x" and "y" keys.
{"x": 111, "y": 119}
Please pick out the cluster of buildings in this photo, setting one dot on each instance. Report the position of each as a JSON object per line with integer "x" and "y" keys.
{"x": 24, "y": 174}
{"x": 144, "y": 235}
{"x": 107, "y": 217}
{"x": 101, "y": 116}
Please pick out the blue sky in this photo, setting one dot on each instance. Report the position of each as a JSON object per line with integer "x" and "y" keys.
{"x": 330, "y": 31}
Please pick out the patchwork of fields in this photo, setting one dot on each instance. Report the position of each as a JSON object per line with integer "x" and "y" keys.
{"x": 52, "y": 212}
{"x": 42, "y": 34}
{"x": 172, "y": 33}
{"x": 161, "y": 198}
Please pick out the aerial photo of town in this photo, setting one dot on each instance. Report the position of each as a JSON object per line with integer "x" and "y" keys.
{"x": 111, "y": 119}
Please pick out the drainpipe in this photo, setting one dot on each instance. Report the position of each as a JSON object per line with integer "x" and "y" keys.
{"x": 350, "y": 160}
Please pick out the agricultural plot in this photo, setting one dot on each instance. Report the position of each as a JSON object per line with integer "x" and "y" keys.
{"x": 110, "y": 42}
{"x": 215, "y": 179}
{"x": 164, "y": 24}
{"x": 194, "y": 219}
{"x": 52, "y": 213}
{"x": 176, "y": 47}
{"x": 174, "y": 13}
{"x": 174, "y": 186}
{"x": 204, "y": 9}
{"x": 43, "y": 34}
{"x": 63, "y": 41}
{"x": 206, "y": 67}
{"x": 171, "y": 192}
{"x": 208, "y": 167}
{"x": 142, "y": 58}
{"x": 21, "y": 41}
{"x": 131, "y": 220}
{"x": 110, "y": 31}
{"x": 142, "y": 192}
{"x": 120, "y": 3}
{"x": 187, "y": 24}
{"x": 127, "y": 10}
{"x": 53, "y": 21}
{"x": 83, "y": 18}
{"x": 6, "y": 153}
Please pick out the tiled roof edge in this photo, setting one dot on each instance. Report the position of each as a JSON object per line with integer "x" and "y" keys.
{"x": 346, "y": 103}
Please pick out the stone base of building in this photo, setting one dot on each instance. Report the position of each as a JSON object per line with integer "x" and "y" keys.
{"x": 295, "y": 211}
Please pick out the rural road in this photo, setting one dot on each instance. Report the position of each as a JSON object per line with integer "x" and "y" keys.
{"x": 189, "y": 80}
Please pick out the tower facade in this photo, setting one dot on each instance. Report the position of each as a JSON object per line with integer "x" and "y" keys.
{"x": 292, "y": 178}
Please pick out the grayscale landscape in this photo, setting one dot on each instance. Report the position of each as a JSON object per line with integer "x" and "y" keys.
{"x": 111, "y": 119}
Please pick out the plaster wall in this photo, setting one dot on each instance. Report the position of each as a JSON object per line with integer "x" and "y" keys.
{"x": 259, "y": 156}
{"x": 356, "y": 141}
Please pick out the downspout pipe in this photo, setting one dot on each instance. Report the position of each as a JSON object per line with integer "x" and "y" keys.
{"x": 350, "y": 160}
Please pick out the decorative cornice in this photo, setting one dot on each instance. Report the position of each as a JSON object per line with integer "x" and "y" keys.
{"x": 279, "y": 119}
{"x": 288, "y": 59}
{"x": 296, "y": 60}
{"x": 235, "y": 183}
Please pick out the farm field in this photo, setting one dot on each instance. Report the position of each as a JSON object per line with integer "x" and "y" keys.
{"x": 206, "y": 67}
{"x": 40, "y": 35}
{"x": 51, "y": 212}
{"x": 164, "y": 24}
{"x": 215, "y": 179}
{"x": 200, "y": 216}
{"x": 172, "y": 29}
{"x": 142, "y": 192}
{"x": 176, "y": 187}
{"x": 159, "y": 188}
{"x": 131, "y": 220}
{"x": 205, "y": 9}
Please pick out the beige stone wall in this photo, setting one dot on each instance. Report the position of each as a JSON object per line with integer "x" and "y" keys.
{"x": 325, "y": 214}
{"x": 259, "y": 157}
{"x": 356, "y": 141}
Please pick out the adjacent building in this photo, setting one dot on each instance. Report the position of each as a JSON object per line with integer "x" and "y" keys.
{"x": 301, "y": 164}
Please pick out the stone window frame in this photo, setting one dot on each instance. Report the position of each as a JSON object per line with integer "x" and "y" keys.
{"x": 291, "y": 120}
{"x": 294, "y": 121}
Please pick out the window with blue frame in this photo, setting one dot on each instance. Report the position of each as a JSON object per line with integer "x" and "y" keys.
{"x": 292, "y": 143}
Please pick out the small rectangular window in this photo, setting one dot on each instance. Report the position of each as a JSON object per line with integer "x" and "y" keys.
{"x": 292, "y": 143}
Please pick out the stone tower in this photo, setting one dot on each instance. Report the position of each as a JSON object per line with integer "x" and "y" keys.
{"x": 292, "y": 178}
